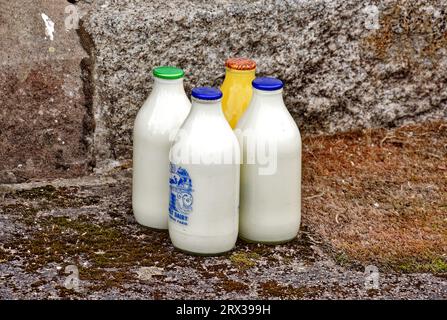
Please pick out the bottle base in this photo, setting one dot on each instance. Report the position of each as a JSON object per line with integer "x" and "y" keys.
{"x": 151, "y": 226}
{"x": 202, "y": 245}
{"x": 203, "y": 254}
{"x": 155, "y": 229}
{"x": 271, "y": 243}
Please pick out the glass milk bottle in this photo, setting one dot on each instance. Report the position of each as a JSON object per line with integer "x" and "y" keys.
{"x": 205, "y": 161}
{"x": 270, "y": 204}
{"x": 156, "y": 123}
{"x": 236, "y": 88}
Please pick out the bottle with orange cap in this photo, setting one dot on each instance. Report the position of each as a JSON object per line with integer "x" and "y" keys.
{"x": 236, "y": 88}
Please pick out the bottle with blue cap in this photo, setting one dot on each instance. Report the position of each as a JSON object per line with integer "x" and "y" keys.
{"x": 270, "y": 197}
{"x": 204, "y": 179}
{"x": 155, "y": 126}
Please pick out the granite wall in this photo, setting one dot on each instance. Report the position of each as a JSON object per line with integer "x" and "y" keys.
{"x": 346, "y": 64}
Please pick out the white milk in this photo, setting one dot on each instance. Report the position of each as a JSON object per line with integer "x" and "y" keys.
{"x": 203, "y": 213}
{"x": 157, "y": 121}
{"x": 270, "y": 203}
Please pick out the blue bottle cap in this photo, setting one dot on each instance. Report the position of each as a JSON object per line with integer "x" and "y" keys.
{"x": 267, "y": 84}
{"x": 206, "y": 93}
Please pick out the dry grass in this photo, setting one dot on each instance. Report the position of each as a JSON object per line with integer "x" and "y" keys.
{"x": 379, "y": 196}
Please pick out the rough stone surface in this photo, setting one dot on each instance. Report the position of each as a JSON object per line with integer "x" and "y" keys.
{"x": 53, "y": 231}
{"x": 342, "y": 68}
{"x": 87, "y": 223}
{"x": 45, "y": 121}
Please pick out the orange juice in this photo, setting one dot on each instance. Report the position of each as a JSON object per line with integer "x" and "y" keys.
{"x": 237, "y": 88}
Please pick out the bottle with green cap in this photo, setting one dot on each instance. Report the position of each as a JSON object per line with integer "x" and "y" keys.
{"x": 155, "y": 126}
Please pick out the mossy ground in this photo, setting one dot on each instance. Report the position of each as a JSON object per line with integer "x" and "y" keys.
{"x": 109, "y": 251}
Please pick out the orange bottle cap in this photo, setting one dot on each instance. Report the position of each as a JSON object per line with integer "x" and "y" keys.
{"x": 240, "y": 64}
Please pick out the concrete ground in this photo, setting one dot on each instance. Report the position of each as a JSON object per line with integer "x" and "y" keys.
{"x": 374, "y": 198}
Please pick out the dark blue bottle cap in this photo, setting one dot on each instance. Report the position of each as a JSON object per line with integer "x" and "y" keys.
{"x": 267, "y": 84}
{"x": 206, "y": 93}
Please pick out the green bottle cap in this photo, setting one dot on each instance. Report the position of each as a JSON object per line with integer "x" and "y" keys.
{"x": 169, "y": 73}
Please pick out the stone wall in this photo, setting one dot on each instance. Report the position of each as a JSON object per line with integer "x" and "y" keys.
{"x": 346, "y": 64}
{"x": 68, "y": 104}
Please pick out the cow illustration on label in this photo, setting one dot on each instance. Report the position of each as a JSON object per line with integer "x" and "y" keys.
{"x": 181, "y": 199}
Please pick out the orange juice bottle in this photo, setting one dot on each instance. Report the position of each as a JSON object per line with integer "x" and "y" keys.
{"x": 237, "y": 88}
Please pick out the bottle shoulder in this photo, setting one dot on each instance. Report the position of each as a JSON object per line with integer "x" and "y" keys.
{"x": 160, "y": 120}
{"x": 272, "y": 119}
{"x": 165, "y": 102}
{"x": 231, "y": 84}
{"x": 275, "y": 127}
{"x": 161, "y": 113}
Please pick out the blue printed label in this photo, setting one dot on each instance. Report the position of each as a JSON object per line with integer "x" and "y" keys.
{"x": 181, "y": 199}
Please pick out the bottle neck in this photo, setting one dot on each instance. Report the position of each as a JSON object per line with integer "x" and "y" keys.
{"x": 174, "y": 86}
{"x": 208, "y": 107}
{"x": 240, "y": 75}
{"x": 267, "y": 99}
